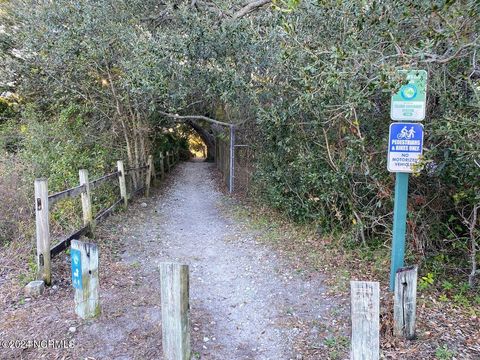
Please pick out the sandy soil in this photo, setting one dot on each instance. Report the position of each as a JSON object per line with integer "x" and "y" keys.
{"x": 246, "y": 301}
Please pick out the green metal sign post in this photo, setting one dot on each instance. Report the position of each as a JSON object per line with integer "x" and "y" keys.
{"x": 408, "y": 104}
{"x": 399, "y": 225}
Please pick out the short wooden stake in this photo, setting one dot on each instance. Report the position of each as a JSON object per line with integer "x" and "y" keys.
{"x": 148, "y": 178}
{"x": 365, "y": 308}
{"x": 85, "y": 278}
{"x": 43, "y": 231}
{"x": 86, "y": 200}
{"x": 162, "y": 166}
{"x": 174, "y": 280}
{"x": 405, "y": 303}
{"x": 122, "y": 182}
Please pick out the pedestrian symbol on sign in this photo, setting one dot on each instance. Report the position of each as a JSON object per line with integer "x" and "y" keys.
{"x": 405, "y": 146}
{"x": 406, "y": 134}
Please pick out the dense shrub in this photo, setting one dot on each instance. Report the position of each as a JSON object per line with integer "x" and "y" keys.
{"x": 322, "y": 154}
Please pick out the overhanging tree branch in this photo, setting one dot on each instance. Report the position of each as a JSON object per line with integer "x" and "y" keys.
{"x": 250, "y": 7}
{"x": 195, "y": 117}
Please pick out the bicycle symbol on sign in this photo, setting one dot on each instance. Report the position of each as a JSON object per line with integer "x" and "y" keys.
{"x": 406, "y": 134}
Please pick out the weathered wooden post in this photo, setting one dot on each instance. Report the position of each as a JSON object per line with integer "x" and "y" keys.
{"x": 148, "y": 178}
{"x": 153, "y": 171}
{"x": 86, "y": 200}
{"x": 365, "y": 308}
{"x": 218, "y": 158}
{"x": 168, "y": 161}
{"x": 405, "y": 303}
{"x": 162, "y": 166}
{"x": 216, "y": 152}
{"x": 122, "y": 182}
{"x": 174, "y": 280}
{"x": 43, "y": 231}
{"x": 85, "y": 278}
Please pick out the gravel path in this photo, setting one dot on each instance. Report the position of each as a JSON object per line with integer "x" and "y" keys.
{"x": 246, "y": 301}
{"x": 240, "y": 292}
{"x": 240, "y": 286}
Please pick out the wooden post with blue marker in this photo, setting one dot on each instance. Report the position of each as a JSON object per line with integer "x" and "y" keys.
{"x": 405, "y": 148}
{"x": 84, "y": 257}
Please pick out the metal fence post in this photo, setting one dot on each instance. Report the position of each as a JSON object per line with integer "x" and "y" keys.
{"x": 232, "y": 158}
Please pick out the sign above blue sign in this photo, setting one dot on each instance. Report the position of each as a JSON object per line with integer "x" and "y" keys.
{"x": 76, "y": 257}
{"x": 405, "y": 147}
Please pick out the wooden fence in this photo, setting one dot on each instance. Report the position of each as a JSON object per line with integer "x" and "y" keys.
{"x": 43, "y": 202}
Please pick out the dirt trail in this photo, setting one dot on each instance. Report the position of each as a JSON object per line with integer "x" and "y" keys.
{"x": 246, "y": 302}
{"x": 239, "y": 286}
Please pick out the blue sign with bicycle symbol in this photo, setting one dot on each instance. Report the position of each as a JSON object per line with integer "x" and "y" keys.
{"x": 405, "y": 147}
{"x": 76, "y": 257}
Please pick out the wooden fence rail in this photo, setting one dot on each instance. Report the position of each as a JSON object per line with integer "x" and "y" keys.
{"x": 44, "y": 202}
{"x": 96, "y": 183}
{"x": 73, "y": 192}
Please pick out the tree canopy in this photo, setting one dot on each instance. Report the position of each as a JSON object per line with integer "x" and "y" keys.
{"x": 312, "y": 79}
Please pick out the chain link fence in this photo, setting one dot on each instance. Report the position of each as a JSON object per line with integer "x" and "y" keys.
{"x": 243, "y": 158}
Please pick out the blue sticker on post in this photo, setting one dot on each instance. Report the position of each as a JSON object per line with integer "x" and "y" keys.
{"x": 405, "y": 147}
{"x": 76, "y": 257}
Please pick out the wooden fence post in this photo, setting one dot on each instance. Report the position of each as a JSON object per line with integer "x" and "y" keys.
{"x": 43, "y": 231}
{"x": 216, "y": 152}
{"x": 84, "y": 258}
{"x": 220, "y": 156}
{"x": 174, "y": 280}
{"x": 365, "y": 308}
{"x": 162, "y": 166}
{"x": 86, "y": 200}
{"x": 168, "y": 161}
{"x": 405, "y": 303}
{"x": 122, "y": 182}
{"x": 148, "y": 178}
{"x": 153, "y": 169}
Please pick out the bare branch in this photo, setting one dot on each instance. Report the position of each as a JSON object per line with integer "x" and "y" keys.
{"x": 211, "y": 7}
{"x": 194, "y": 117}
{"x": 434, "y": 58}
{"x": 250, "y": 7}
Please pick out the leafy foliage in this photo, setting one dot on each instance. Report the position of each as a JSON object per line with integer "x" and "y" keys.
{"x": 311, "y": 80}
